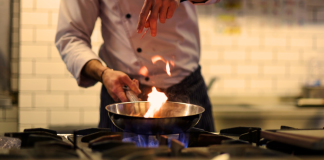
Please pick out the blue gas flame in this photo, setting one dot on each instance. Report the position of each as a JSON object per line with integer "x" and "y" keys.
{"x": 143, "y": 141}
{"x": 147, "y": 141}
{"x": 182, "y": 137}
{"x": 151, "y": 140}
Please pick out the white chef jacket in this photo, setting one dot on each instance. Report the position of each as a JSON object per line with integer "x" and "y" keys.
{"x": 177, "y": 40}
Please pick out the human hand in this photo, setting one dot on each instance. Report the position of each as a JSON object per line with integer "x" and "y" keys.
{"x": 114, "y": 82}
{"x": 150, "y": 12}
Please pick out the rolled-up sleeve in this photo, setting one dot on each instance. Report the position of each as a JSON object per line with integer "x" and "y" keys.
{"x": 75, "y": 26}
{"x": 206, "y": 3}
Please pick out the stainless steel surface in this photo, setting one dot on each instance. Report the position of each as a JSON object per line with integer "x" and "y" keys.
{"x": 313, "y": 92}
{"x": 172, "y": 118}
{"x": 5, "y": 25}
{"x": 305, "y": 141}
{"x": 130, "y": 95}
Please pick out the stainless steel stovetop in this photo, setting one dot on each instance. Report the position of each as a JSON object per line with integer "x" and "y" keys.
{"x": 100, "y": 144}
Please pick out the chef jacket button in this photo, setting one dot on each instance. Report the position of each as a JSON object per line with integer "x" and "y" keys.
{"x": 147, "y": 78}
{"x": 128, "y": 16}
{"x": 139, "y": 50}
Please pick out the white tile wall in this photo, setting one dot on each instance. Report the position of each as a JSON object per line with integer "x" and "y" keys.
{"x": 90, "y": 117}
{"x": 49, "y": 67}
{"x": 63, "y": 84}
{"x": 221, "y": 69}
{"x": 267, "y": 57}
{"x": 287, "y": 83}
{"x": 49, "y": 94}
{"x": 26, "y": 34}
{"x": 261, "y": 55}
{"x": 274, "y": 70}
{"x": 49, "y": 100}
{"x": 30, "y": 18}
{"x": 275, "y": 41}
{"x": 297, "y": 70}
{"x": 219, "y": 40}
{"x": 247, "y": 69}
{"x": 46, "y": 4}
{"x": 54, "y": 19}
{"x": 261, "y": 83}
{"x": 83, "y": 100}
{"x": 32, "y": 116}
{"x": 234, "y": 83}
{"x": 288, "y": 56}
{"x": 319, "y": 43}
{"x": 26, "y": 67}
{"x": 26, "y": 100}
{"x": 54, "y": 53}
{"x": 249, "y": 41}
{"x": 27, "y": 4}
{"x": 210, "y": 54}
{"x": 306, "y": 43}
{"x": 45, "y": 35}
{"x": 33, "y": 50}
{"x": 238, "y": 55}
{"x": 33, "y": 84}
{"x": 65, "y": 117}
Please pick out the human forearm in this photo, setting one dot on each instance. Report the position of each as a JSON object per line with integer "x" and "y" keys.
{"x": 93, "y": 69}
{"x": 76, "y": 22}
{"x": 114, "y": 81}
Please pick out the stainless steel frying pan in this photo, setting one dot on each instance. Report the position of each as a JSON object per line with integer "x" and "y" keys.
{"x": 173, "y": 117}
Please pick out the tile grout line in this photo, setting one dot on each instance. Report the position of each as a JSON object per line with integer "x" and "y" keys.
{"x": 48, "y": 123}
{"x": 34, "y": 5}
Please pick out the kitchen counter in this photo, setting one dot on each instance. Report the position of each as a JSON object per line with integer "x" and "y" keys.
{"x": 268, "y": 111}
{"x": 267, "y": 116}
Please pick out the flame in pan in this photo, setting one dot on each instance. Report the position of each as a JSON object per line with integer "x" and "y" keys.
{"x": 156, "y": 99}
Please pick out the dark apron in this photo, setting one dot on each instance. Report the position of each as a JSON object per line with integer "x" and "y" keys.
{"x": 191, "y": 90}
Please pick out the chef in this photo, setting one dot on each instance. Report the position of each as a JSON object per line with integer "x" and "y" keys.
{"x": 173, "y": 39}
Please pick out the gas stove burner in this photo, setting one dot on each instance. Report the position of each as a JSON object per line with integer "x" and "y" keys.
{"x": 193, "y": 137}
{"x": 102, "y": 143}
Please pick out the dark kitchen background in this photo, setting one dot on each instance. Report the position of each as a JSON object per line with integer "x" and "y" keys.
{"x": 256, "y": 56}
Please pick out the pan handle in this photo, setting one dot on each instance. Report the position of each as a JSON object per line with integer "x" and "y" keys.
{"x": 130, "y": 95}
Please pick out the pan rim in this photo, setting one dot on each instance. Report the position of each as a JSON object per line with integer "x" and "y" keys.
{"x": 203, "y": 110}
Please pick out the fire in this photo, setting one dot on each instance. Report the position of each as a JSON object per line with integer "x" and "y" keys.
{"x": 157, "y": 58}
{"x": 156, "y": 100}
{"x": 172, "y": 63}
{"x": 143, "y": 71}
{"x": 167, "y": 68}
